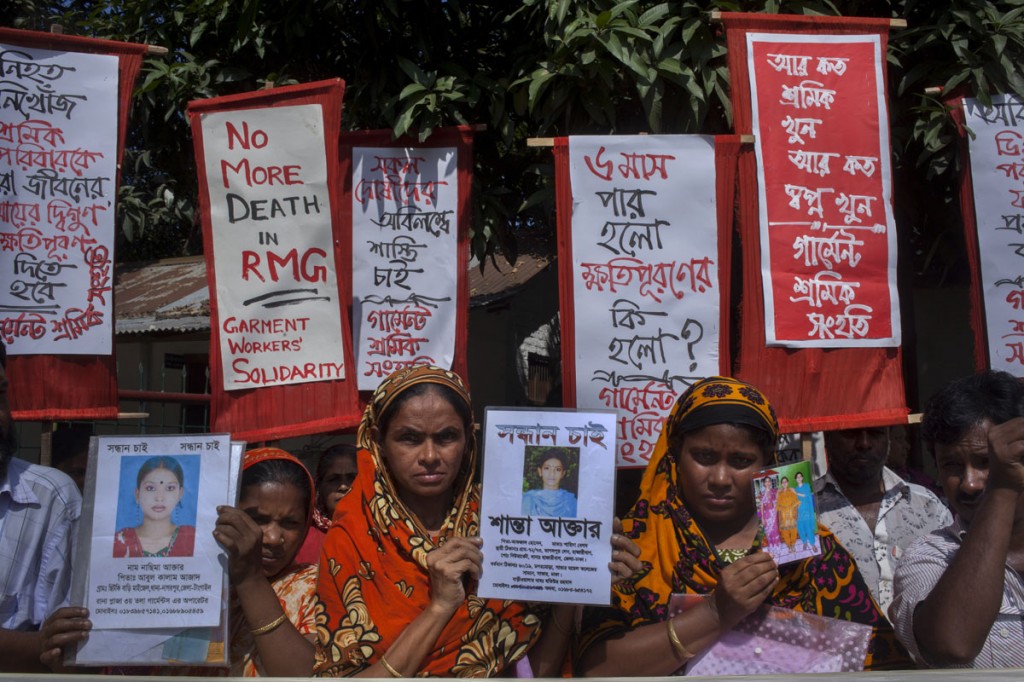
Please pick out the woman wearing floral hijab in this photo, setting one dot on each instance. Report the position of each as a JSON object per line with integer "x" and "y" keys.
{"x": 699, "y": 534}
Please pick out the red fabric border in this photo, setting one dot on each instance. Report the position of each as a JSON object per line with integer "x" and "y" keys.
{"x": 292, "y": 410}
{"x": 563, "y": 229}
{"x": 455, "y": 136}
{"x": 976, "y": 300}
{"x": 727, "y": 149}
{"x": 58, "y": 387}
{"x": 810, "y": 388}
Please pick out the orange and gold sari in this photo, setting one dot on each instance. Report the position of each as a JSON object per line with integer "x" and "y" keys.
{"x": 373, "y": 570}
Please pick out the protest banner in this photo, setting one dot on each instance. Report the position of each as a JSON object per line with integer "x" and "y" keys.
{"x": 641, "y": 251}
{"x": 409, "y": 218}
{"x": 267, "y": 165}
{"x": 995, "y": 226}
{"x": 547, "y": 505}
{"x": 150, "y": 562}
{"x": 828, "y": 237}
{"x": 807, "y": 259}
{"x": 63, "y": 112}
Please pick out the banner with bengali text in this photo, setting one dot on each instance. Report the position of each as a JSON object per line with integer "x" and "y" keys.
{"x": 409, "y": 204}
{"x": 834, "y": 381}
{"x": 641, "y": 249}
{"x": 997, "y": 182}
{"x": 63, "y": 112}
{"x": 827, "y": 230}
{"x": 280, "y": 355}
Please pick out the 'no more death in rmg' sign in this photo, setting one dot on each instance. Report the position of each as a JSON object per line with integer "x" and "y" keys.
{"x": 279, "y": 316}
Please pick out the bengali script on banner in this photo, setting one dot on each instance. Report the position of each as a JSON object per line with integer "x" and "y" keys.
{"x": 405, "y": 258}
{"x": 997, "y": 172}
{"x": 828, "y": 239}
{"x": 646, "y": 298}
{"x": 58, "y": 166}
{"x": 279, "y": 315}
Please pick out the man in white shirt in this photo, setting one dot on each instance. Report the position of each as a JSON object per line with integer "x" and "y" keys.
{"x": 875, "y": 514}
{"x": 39, "y": 511}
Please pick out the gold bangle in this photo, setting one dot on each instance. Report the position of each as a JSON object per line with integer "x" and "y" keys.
{"x": 390, "y": 668}
{"x": 269, "y": 627}
{"x": 677, "y": 645}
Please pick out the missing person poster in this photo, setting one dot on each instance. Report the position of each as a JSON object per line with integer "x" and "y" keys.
{"x": 152, "y": 559}
{"x": 547, "y": 505}
{"x": 126, "y": 573}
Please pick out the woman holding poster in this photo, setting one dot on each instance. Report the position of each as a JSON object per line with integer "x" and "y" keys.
{"x": 398, "y": 566}
{"x": 699, "y": 533}
{"x": 272, "y": 625}
{"x": 272, "y": 622}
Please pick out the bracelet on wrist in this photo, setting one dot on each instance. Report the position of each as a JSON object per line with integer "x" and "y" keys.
{"x": 677, "y": 645}
{"x": 390, "y": 668}
{"x": 269, "y": 627}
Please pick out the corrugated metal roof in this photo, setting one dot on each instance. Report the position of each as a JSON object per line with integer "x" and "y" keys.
{"x": 504, "y": 280}
{"x": 171, "y": 295}
{"x": 162, "y": 296}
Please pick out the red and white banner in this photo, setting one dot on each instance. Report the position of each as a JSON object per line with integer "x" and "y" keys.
{"x": 267, "y": 165}
{"x": 814, "y": 388}
{"x": 828, "y": 237}
{"x": 641, "y": 249}
{"x": 409, "y": 216}
{"x": 63, "y": 110}
{"x": 997, "y": 181}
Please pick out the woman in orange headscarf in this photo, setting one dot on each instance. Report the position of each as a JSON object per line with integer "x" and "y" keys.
{"x": 401, "y": 558}
{"x": 699, "y": 534}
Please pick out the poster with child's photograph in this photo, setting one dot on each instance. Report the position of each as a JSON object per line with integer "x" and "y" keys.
{"x": 785, "y": 505}
{"x": 546, "y": 505}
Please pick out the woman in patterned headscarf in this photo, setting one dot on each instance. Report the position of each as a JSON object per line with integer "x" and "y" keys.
{"x": 699, "y": 534}
{"x": 401, "y": 557}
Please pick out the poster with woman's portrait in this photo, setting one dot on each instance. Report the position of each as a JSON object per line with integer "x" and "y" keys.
{"x": 147, "y": 531}
{"x": 785, "y": 504}
{"x": 547, "y": 504}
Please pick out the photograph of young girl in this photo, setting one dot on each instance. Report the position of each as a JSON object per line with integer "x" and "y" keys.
{"x": 156, "y": 509}
{"x": 785, "y": 505}
{"x": 550, "y": 481}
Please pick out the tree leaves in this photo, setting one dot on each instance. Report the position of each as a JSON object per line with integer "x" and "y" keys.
{"x": 528, "y": 68}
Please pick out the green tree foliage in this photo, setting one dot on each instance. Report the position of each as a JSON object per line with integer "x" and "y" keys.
{"x": 525, "y": 69}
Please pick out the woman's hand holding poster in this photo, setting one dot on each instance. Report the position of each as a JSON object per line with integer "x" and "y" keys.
{"x": 546, "y": 512}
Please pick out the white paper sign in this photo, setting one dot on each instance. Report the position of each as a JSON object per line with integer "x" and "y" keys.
{"x": 58, "y": 162}
{"x": 405, "y": 258}
{"x": 270, "y": 210}
{"x": 153, "y": 561}
{"x": 547, "y": 506}
{"x": 646, "y": 298}
{"x": 997, "y": 172}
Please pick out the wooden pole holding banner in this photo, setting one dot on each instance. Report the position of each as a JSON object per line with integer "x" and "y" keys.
{"x": 716, "y": 16}
{"x": 550, "y": 141}
{"x": 58, "y": 30}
